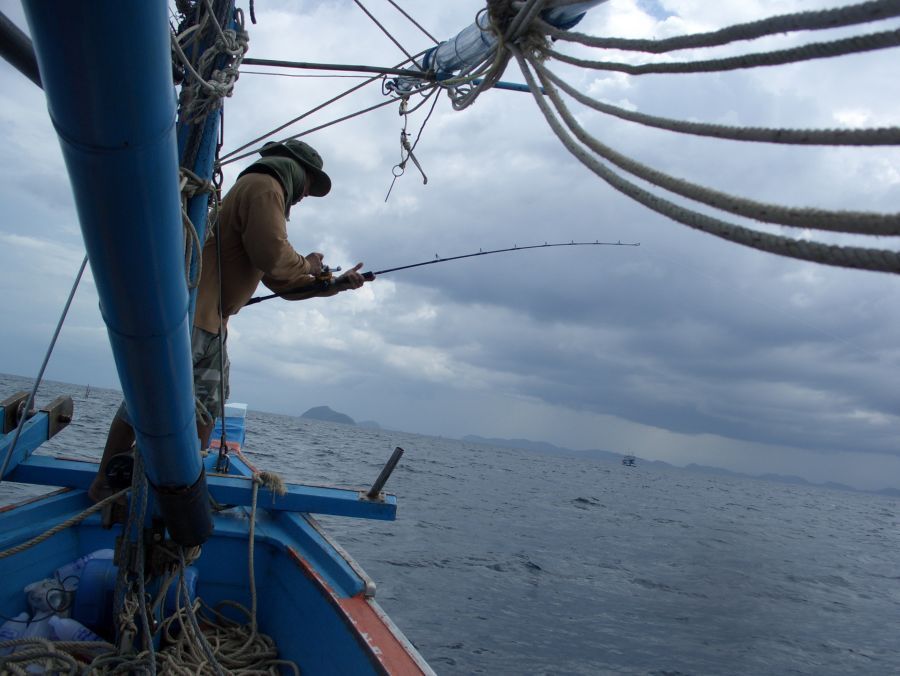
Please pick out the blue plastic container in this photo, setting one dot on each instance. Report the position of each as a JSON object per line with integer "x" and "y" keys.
{"x": 95, "y": 597}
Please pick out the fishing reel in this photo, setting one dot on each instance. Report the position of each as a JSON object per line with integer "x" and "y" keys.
{"x": 326, "y": 274}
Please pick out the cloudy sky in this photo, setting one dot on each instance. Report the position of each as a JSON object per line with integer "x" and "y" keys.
{"x": 686, "y": 349}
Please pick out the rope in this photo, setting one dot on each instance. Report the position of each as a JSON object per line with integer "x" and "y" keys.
{"x": 192, "y": 185}
{"x": 216, "y": 83}
{"x": 68, "y": 523}
{"x": 882, "y": 136}
{"x": 140, "y": 493}
{"x": 816, "y": 50}
{"x": 221, "y": 645}
{"x": 206, "y": 85}
{"x": 50, "y": 657}
{"x": 851, "y": 257}
{"x": 856, "y": 222}
{"x": 491, "y": 69}
{"x": 850, "y": 15}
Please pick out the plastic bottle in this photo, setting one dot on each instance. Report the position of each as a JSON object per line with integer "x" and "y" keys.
{"x": 66, "y": 629}
{"x": 12, "y": 629}
{"x": 38, "y": 627}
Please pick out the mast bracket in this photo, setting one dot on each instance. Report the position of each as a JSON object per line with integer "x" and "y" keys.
{"x": 59, "y": 415}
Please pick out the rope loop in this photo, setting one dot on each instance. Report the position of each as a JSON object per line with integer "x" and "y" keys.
{"x": 192, "y": 185}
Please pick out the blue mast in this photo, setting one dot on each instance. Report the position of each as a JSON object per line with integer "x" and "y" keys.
{"x": 106, "y": 70}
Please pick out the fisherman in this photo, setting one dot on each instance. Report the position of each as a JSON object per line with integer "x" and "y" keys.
{"x": 254, "y": 247}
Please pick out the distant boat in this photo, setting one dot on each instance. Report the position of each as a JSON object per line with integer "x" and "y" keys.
{"x": 628, "y": 460}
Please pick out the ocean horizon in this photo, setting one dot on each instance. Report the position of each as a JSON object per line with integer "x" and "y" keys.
{"x": 509, "y": 561}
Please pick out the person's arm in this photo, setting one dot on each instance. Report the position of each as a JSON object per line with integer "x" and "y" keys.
{"x": 351, "y": 279}
{"x": 266, "y": 242}
{"x": 347, "y": 281}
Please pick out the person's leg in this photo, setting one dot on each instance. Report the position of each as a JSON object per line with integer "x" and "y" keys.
{"x": 119, "y": 439}
{"x": 209, "y": 380}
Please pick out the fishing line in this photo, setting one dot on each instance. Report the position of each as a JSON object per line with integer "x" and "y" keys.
{"x": 369, "y": 276}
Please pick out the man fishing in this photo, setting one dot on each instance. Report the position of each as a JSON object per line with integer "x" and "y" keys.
{"x": 251, "y": 243}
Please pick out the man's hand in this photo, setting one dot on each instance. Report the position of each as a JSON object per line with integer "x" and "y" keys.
{"x": 351, "y": 279}
{"x": 314, "y": 260}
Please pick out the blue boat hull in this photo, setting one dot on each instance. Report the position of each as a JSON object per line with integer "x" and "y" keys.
{"x": 312, "y": 598}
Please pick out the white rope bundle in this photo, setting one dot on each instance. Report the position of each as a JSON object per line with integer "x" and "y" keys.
{"x": 515, "y": 24}
{"x": 209, "y": 84}
{"x": 865, "y": 12}
{"x": 191, "y": 185}
{"x": 851, "y": 257}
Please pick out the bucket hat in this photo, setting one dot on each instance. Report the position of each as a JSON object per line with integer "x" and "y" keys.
{"x": 307, "y": 156}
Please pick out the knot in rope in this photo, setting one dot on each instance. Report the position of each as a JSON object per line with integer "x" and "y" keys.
{"x": 192, "y": 185}
{"x": 272, "y": 481}
{"x": 214, "y": 73}
{"x": 513, "y": 24}
{"x": 517, "y": 23}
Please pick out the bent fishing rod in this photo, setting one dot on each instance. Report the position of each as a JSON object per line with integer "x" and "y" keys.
{"x": 324, "y": 281}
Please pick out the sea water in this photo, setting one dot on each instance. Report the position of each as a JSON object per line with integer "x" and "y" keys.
{"x": 510, "y": 562}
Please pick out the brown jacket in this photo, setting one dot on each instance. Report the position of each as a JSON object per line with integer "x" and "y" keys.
{"x": 254, "y": 247}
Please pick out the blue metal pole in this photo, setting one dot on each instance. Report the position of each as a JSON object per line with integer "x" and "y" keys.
{"x": 106, "y": 70}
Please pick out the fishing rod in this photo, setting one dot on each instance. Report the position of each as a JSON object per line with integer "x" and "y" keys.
{"x": 324, "y": 280}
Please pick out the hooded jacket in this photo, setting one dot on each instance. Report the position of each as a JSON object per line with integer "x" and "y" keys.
{"x": 254, "y": 248}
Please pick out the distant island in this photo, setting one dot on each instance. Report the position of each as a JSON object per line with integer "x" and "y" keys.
{"x": 327, "y": 414}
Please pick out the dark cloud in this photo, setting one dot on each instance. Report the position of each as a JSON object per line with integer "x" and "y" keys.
{"x": 687, "y": 344}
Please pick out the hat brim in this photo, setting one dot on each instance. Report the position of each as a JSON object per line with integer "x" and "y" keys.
{"x": 321, "y": 182}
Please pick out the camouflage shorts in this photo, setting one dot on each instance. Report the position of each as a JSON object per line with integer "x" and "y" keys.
{"x": 207, "y": 376}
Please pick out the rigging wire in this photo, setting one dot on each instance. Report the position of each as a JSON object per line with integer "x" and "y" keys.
{"x": 414, "y": 22}
{"x": 425, "y": 121}
{"x": 384, "y": 30}
{"x": 400, "y": 168}
{"x": 311, "y": 130}
{"x": 230, "y": 156}
{"x": 37, "y": 383}
{"x": 259, "y": 72}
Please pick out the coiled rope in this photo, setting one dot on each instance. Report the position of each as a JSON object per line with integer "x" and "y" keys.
{"x": 837, "y": 17}
{"x": 197, "y": 639}
{"x": 882, "y": 136}
{"x": 816, "y": 50}
{"x": 521, "y": 33}
{"x": 865, "y": 223}
{"x": 850, "y": 257}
